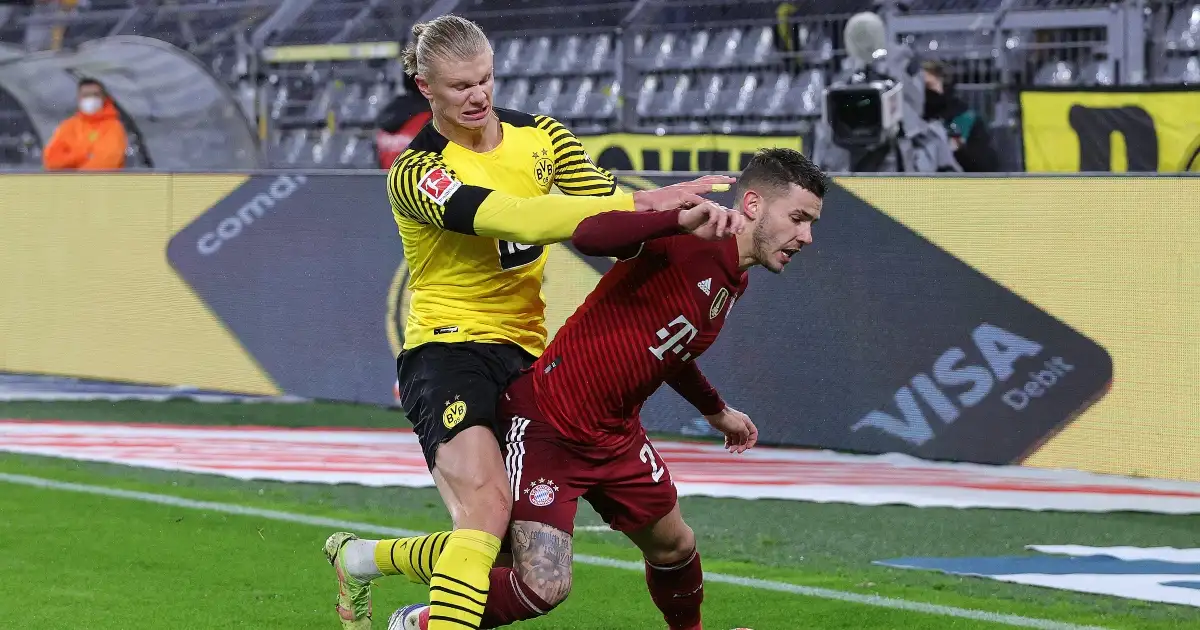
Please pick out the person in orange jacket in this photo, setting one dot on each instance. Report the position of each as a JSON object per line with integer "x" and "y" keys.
{"x": 92, "y": 139}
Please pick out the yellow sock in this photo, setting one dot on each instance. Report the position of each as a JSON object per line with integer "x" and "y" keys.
{"x": 413, "y": 557}
{"x": 459, "y": 589}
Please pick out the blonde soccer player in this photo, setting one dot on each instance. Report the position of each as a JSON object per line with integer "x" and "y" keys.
{"x": 471, "y": 198}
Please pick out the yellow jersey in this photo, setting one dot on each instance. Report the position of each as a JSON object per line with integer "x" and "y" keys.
{"x": 474, "y": 226}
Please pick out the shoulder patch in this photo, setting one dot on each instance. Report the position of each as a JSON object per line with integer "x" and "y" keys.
{"x": 718, "y": 303}
{"x": 438, "y": 185}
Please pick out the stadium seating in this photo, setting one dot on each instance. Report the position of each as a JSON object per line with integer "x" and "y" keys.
{"x": 18, "y": 141}
{"x": 688, "y": 66}
{"x": 1181, "y": 45}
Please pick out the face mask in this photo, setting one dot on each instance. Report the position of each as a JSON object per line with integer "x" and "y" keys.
{"x": 90, "y": 104}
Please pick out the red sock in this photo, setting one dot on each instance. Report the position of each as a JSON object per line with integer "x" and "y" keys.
{"x": 510, "y": 600}
{"x": 678, "y": 591}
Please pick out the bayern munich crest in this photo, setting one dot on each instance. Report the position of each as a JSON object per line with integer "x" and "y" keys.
{"x": 541, "y": 492}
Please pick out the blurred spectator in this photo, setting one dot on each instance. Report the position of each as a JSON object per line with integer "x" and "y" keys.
{"x": 399, "y": 122}
{"x": 968, "y": 131}
{"x": 668, "y": 15}
{"x": 92, "y": 139}
{"x": 786, "y": 35}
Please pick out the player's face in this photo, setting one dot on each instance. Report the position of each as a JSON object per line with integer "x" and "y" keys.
{"x": 784, "y": 226}
{"x": 460, "y": 91}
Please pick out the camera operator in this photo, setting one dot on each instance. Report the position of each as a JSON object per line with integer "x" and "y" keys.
{"x": 872, "y": 120}
{"x": 968, "y": 131}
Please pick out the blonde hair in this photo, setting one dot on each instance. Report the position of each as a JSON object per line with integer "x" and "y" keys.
{"x": 445, "y": 37}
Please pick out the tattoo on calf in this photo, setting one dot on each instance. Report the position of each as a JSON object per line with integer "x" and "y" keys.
{"x": 542, "y": 557}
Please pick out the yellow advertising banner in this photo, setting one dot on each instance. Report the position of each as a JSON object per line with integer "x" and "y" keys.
{"x": 679, "y": 153}
{"x": 87, "y": 291}
{"x": 1111, "y": 131}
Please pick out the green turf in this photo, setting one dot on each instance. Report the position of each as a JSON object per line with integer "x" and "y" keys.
{"x": 187, "y": 412}
{"x": 276, "y": 579}
{"x": 137, "y": 565}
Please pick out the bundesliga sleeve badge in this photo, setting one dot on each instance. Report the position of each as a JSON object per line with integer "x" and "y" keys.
{"x": 438, "y": 185}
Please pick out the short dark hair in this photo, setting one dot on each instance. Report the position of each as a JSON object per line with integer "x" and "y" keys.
{"x": 934, "y": 68}
{"x": 90, "y": 81}
{"x": 776, "y": 168}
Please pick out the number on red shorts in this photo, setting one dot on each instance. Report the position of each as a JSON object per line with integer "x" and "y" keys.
{"x": 648, "y": 453}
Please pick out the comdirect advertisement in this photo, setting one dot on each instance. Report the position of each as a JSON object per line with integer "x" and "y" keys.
{"x": 1111, "y": 130}
{"x": 984, "y": 320}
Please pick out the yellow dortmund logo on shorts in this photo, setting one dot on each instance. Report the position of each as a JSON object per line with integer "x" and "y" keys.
{"x": 455, "y": 412}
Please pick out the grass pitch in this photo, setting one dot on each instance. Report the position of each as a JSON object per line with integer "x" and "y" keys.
{"x": 81, "y": 561}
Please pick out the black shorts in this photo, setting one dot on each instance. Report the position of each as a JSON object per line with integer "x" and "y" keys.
{"x": 447, "y": 387}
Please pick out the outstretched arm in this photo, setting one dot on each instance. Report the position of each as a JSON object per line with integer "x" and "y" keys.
{"x": 621, "y": 234}
{"x": 428, "y": 192}
{"x": 423, "y": 189}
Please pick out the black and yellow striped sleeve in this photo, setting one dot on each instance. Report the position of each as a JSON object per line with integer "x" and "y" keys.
{"x": 423, "y": 189}
{"x": 574, "y": 172}
{"x": 419, "y": 183}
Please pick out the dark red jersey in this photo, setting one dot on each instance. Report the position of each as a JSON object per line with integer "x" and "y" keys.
{"x": 645, "y": 324}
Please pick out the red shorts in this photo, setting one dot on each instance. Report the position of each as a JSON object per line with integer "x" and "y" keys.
{"x": 630, "y": 488}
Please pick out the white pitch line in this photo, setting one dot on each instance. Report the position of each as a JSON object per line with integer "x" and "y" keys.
{"x": 596, "y": 529}
{"x": 338, "y": 524}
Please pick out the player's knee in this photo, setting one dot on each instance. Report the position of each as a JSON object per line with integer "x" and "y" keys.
{"x": 489, "y": 507}
{"x": 471, "y": 475}
{"x": 482, "y": 502}
{"x": 683, "y": 544}
{"x": 552, "y": 592}
{"x": 673, "y": 548}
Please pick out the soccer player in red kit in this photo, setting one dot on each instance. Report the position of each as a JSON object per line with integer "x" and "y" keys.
{"x": 574, "y": 419}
